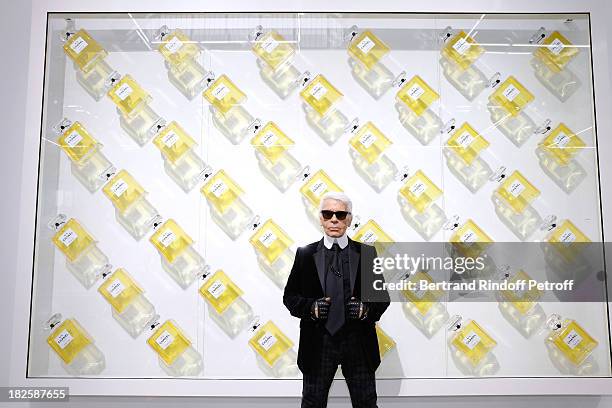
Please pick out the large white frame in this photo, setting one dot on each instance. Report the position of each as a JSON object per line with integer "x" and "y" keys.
{"x": 172, "y": 387}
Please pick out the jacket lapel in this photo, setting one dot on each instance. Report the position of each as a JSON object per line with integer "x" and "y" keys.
{"x": 319, "y": 258}
{"x": 353, "y": 262}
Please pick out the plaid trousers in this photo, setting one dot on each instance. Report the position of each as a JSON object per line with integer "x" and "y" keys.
{"x": 345, "y": 349}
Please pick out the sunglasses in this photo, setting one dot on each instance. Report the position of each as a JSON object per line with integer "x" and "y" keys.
{"x": 328, "y": 214}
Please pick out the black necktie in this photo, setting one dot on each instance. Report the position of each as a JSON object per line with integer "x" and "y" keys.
{"x": 335, "y": 290}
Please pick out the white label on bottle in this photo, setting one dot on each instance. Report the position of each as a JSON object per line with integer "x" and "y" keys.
{"x": 370, "y": 237}
{"x": 318, "y": 188}
{"x": 174, "y": 45}
{"x": 220, "y": 91}
{"x": 567, "y": 237}
{"x": 68, "y": 237}
{"x": 471, "y": 340}
{"x": 267, "y": 238}
{"x": 556, "y": 46}
{"x": 415, "y": 92}
{"x": 267, "y": 341}
{"x": 73, "y": 139}
{"x": 269, "y": 139}
{"x": 164, "y": 340}
{"x": 572, "y": 339}
{"x": 468, "y": 237}
{"x": 366, "y": 44}
{"x": 367, "y": 139}
{"x": 561, "y": 139}
{"x": 63, "y": 339}
{"x": 216, "y": 289}
{"x": 78, "y": 45}
{"x": 511, "y": 92}
{"x": 124, "y": 91}
{"x": 119, "y": 187}
{"x": 462, "y": 45}
{"x": 516, "y": 188}
{"x": 418, "y": 188}
{"x": 170, "y": 139}
{"x": 218, "y": 188}
{"x": 465, "y": 140}
{"x": 318, "y": 91}
{"x": 167, "y": 238}
{"x": 115, "y": 288}
{"x": 269, "y": 45}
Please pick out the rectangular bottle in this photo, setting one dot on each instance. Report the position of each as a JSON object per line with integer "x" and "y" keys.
{"x": 273, "y": 49}
{"x": 123, "y": 191}
{"x": 317, "y": 185}
{"x": 83, "y": 50}
{"x": 271, "y": 142}
{"x": 177, "y": 48}
{"x": 556, "y": 51}
{"x": 472, "y": 342}
{"x": 467, "y": 143}
{"x": 562, "y": 144}
{"x": 321, "y": 95}
{"x": 220, "y": 291}
{"x": 462, "y": 50}
{"x": 370, "y": 142}
{"x": 470, "y": 240}
{"x": 270, "y": 241}
{"x": 221, "y": 191}
{"x": 517, "y": 191}
{"x": 512, "y": 96}
{"x": 420, "y": 191}
{"x": 270, "y": 343}
{"x": 417, "y": 95}
{"x": 224, "y": 95}
{"x": 367, "y": 48}
{"x": 128, "y": 96}
{"x": 571, "y": 340}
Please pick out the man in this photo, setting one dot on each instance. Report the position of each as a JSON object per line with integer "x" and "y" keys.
{"x": 325, "y": 290}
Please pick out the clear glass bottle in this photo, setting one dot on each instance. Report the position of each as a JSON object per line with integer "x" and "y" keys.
{"x": 181, "y": 162}
{"x": 519, "y": 305}
{"x": 470, "y": 346}
{"x": 462, "y": 50}
{"x": 567, "y": 251}
{"x": 556, "y": 51}
{"x": 372, "y": 233}
{"x": 74, "y": 346}
{"x": 273, "y": 248}
{"x": 227, "y": 306}
{"x": 414, "y": 99}
{"x": 87, "y": 162}
{"x": 132, "y": 209}
{"x": 569, "y": 340}
{"x": 423, "y": 306}
{"x": 130, "y": 307}
{"x": 83, "y": 257}
{"x": 469, "y": 240}
{"x": 506, "y": 107}
{"x": 176, "y": 355}
{"x": 273, "y": 350}
{"x": 178, "y": 257}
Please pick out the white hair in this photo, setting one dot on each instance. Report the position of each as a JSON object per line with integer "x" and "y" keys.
{"x": 339, "y": 196}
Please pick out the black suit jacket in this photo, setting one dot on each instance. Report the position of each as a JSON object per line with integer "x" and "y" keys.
{"x": 305, "y": 285}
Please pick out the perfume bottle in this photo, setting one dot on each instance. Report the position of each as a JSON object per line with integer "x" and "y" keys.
{"x": 506, "y": 107}
{"x": 519, "y": 305}
{"x": 566, "y": 248}
{"x": 130, "y": 307}
{"x": 181, "y": 162}
{"x": 556, "y": 51}
{"x": 83, "y": 50}
{"x": 178, "y": 257}
{"x": 132, "y": 209}
{"x": 227, "y": 307}
{"x": 83, "y": 257}
{"x": 74, "y": 346}
{"x": 176, "y": 355}
{"x": 512, "y": 96}
{"x": 272, "y": 48}
{"x": 273, "y": 350}
{"x": 569, "y": 341}
{"x": 422, "y": 305}
{"x": 469, "y": 240}
{"x": 320, "y": 95}
{"x": 367, "y": 48}
{"x": 416, "y": 198}
{"x": 471, "y": 346}
{"x": 225, "y": 202}
{"x": 512, "y": 201}
{"x": 316, "y": 185}
{"x": 366, "y": 150}
{"x": 556, "y": 154}
{"x": 371, "y": 233}
{"x": 273, "y": 248}
{"x": 135, "y": 115}
{"x": 87, "y": 162}
{"x": 414, "y": 99}
{"x": 275, "y": 160}
{"x": 462, "y": 50}
{"x": 462, "y": 152}
{"x": 176, "y": 47}
{"x": 320, "y": 99}
{"x": 385, "y": 343}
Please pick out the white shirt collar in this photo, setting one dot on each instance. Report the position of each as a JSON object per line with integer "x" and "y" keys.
{"x": 329, "y": 241}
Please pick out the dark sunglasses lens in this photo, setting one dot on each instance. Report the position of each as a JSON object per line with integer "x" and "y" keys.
{"x": 327, "y": 214}
{"x": 341, "y": 215}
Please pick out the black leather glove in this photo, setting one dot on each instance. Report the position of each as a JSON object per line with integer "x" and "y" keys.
{"x": 357, "y": 310}
{"x": 320, "y": 308}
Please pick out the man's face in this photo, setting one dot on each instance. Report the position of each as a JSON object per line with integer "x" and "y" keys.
{"x": 334, "y": 227}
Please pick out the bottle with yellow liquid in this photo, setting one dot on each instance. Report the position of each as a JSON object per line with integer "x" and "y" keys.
{"x": 462, "y": 152}
{"x": 556, "y": 154}
{"x": 469, "y": 240}
{"x": 315, "y": 186}
{"x": 181, "y": 162}
{"x": 371, "y": 233}
{"x": 227, "y": 307}
{"x": 413, "y": 101}
{"x": 273, "y": 349}
{"x": 180, "y": 58}
{"x": 132, "y": 209}
{"x": 175, "y": 353}
{"x": 135, "y": 115}
{"x": 471, "y": 347}
{"x": 74, "y": 346}
{"x": 366, "y": 51}
{"x": 422, "y": 305}
{"x": 417, "y": 199}
{"x": 385, "y": 343}
{"x": 367, "y": 146}
{"x": 320, "y": 99}
{"x": 274, "y": 254}
{"x": 569, "y": 253}
{"x": 224, "y": 197}
{"x": 272, "y": 149}
{"x": 568, "y": 341}
{"x": 130, "y": 307}
{"x": 512, "y": 201}
{"x": 89, "y": 59}
{"x": 179, "y": 259}
{"x": 83, "y": 257}
{"x": 87, "y": 162}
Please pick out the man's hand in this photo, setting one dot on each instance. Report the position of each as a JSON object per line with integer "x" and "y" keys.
{"x": 357, "y": 310}
{"x": 320, "y": 308}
